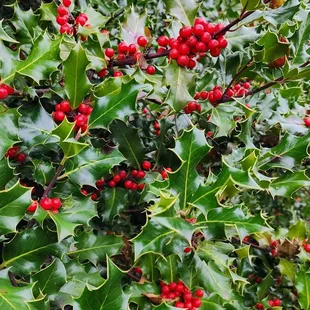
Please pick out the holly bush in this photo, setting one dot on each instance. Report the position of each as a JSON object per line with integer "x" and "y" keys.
{"x": 154, "y": 154}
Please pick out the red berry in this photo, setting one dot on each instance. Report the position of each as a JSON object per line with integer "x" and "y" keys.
{"x": 82, "y": 19}
{"x": 163, "y": 41}
{"x": 172, "y": 286}
{"x": 65, "y": 106}
{"x": 83, "y": 109}
{"x": 179, "y": 304}
{"x": 276, "y": 302}
{"x": 187, "y": 250}
{"x": 174, "y": 43}
{"x": 156, "y": 125}
{"x": 206, "y": 37}
{"x": 46, "y": 203}
{"x": 150, "y": 70}
{"x": 188, "y": 296}
{"x": 132, "y": 49}
{"x": 122, "y": 174}
{"x": 199, "y": 293}
{"x": 192, "y": 106}
{"x": 183, "y": 61}
{"x": 204, "y": 95}
{"x": 134, "y": 173}
{"x": 100, "y": 183}
{"x": 146, "y": 165}
{"x": 80, "y": 120}
{"x": 102, "y": 73}
{"x": 33, "y": 207}
{"x": 117, "y": 74}
{"x": 209, "y": 134}
{"x": 160, "y": 50}
{"x": 128, "y": 184}
{"x": 112, "y": 183}
{"x": 138, "y": 270}
{"x": 197, "y": 96}
{"x": 187, "y": 111}
{"x": 21, "y": 157}
{"x": 140, "y": 174}
{"x": 259, "y": 306}
{"x": 171, "y": 295}
{"x": 109, "y": 52}
{"x": 188, "y": 305}
{"x": 196, "y": 302}
{"x": 191, "y": 41}
{"x": 65, "y": 29}
{"x": 62, "y": 10}
{"x": 122, "y": 48}
{"x": 54, "y": 211}
{"x": 217, "y": 94}
{"x": 201, "y": 47}
{"x": 142, "y": 41}
{"x": 62, "y": 20}
{"x": 141, "y": 186}
{"x": 209, "y": 27}
{"x": 270, "y": 302}
{"x": 3, "y": 93}
{"x": 174, "y": 53}
{"x": 56, "y": 203}
{"x": 184, "y": 49}
{"x": 84, "y": 192}
{"x": 116, "y": 178}
{"x": 198, "y": 30}
{"x": 121, "y": 56}
{"x": 230, "y": 92}
{"x": 307, "y": 121}
{"x": 94, "y": 196}
{"x": 222, "y": 42}
{"x": 59, "y": 116}
{"x": 186, "y": 31}
{"x": 246, "y": 85}
{"x": 165, "y": 289}
{"x": 66, "y": 3}
{"x": 307, "y": 247}
{"x": 237, "y": 86}
{"x": 213, "y": 44}
{"x": 215, "y": 52}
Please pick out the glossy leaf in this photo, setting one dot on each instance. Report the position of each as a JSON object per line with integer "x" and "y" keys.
{"x": 303, "y": 287}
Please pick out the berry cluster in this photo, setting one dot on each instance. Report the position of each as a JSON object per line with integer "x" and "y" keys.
{"x": 47, "y": 204}
{"x": 14, "y": 153}
{"x": 164, "y": 173}
{"x": 66, "y": 20}
{"x": 183, "y": 297}
{"x": 192, "y": 107}
{"x": 274, "y": 302}
{"x": 273, "y": 248}
{"x": 80, "y": 116}
{"x": 156, "y": 126}
{"x": 5, "y": 91}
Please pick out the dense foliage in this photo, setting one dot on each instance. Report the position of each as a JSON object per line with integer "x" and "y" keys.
{"x": 154, "y": 154}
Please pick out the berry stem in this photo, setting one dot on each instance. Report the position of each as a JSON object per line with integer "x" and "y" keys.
{"x": 51, "y": 184}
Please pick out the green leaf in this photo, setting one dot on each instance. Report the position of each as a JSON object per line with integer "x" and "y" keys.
{"x": 113, "y": 106}
{"x": 37, "y": 244}
{"x": 41, "y": 62}
{"x": 109, "y": 86}
{"x": 191, "y": 148}
{"x": 95, "y": 54}
{"x": 287, "y": 268}
{"x": 128, "y": 141}
{"x": 183, "y": 10}
{"x": 13, "y": 297}
{"x": 251, "y": 4}
{"x": 303, "y": 287}
{"x": 51, "y": 278}
{"x": 4, "y": 36}
{"x": 9, "y": 129}
{"x": 168, "y": 268}
{"x": 13, "y": 205}
{"x": 7, "y": 59}
{"x": 180, "y": 82}
{"x": 289, "y": 183}
{"x": 94, "y": 248}
{"x": 43, "y": 171}
{"x": 6, "y": 173}
{"x": 112, "y": 201}
{"x": 77, "y": 84}
{"x": 91, "y": 165}
{"x": 109, "y": 296}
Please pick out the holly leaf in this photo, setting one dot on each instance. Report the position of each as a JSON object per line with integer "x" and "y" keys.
{"x": 109, "y": 86}
{"x": 41, "y": 62}
{"x": 128, "y": 141}
{"x": 111, "y": 202}
{"x": 28, "y": 258}
{"x": 77, "y": 84}
{"x": 94, "y": 248}
{"x": 287, "y": 268}
{"x": 6, "y": 173}
{"x": 13, "y": 205}
{"x": 183, "y": 10}
{"x": 251, "y": 4}
{"x": 180, "y": 82}
{"x": 7, "y": 59}
{"x": 114, "y": 106}
{"x": 14, "y": 297}
{"x": 109, "y": 296}
{"x": 91, "y": 165}
{"x": 43, "y": 171}
{"x": 95, "y": 54}
{"x": 191, "y": 148}
{"x": 9, "y": 129}
{"x": 303, "y": 287}
{"x": 168, "y": 268}
{"x": 4, "y": 36}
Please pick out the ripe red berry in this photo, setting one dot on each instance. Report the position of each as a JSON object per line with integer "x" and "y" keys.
{"x": 3, "y": 93}
{"x": 109, "y": 52}
{"x": 199, "y": 293}
{"x": 276, "y": 302}
{"x": 307, "y": 121}
{"x": 56, "y": 203}
{"x": 82, "y": 19}
{"x": 165, "y": 289}
{"x": 138, "y": 270}
{"x": 213, "y": 44}
{"x": 102, "y": 73}
{"x": 206, "y": 37}
{"x": 141, "y": 186}
{"x": 12, "y": 152}
{"x": 174, "y": 53}
{"x": 66, "y": 3}
{"x": 146, "y": 165}
{"x": 171, "y": 295}
{"x": 80, "y": 120}
{"x": 122, "y": 174}
{"x": 65, "y": 106}
{"x": 192, "y": 106}
{"x": 116, "y": 178}
{"x": 204, "y": 95}
{"x": 217, "y": 94}
{"x": 62, "y": 10}
{"x": 59, "y": 116}
{"x": 246, "y": 85}
{"x": 196, "y": 302}
{"x": 259, "y": 306}
{"x": 132, "y": 49}
{"x": 9, "y": 89}
{"x": 172, "y": 286}
{"x": 62, "y": 20}
{"x": 142, "y": 41}
{"x": 222, "y": 42}
{"x": 134, "y": 173}
{"x": 46, "y": 203}
{"x": 215, "y": 52}
{"x": 163, "y": 41}
{"x": 187, "y": 250}
{"x": 94, "y": 196}
{"x": 186, "y": 31}
{"x": 112, "y": 183}
{"x": 230, "y": 93}
{"x": 150, "y": 70}
{"x": 197, "y": 96}
{"x": 183, "y": 60}
{"x": 140, "y": 174}
{"x": 84, "y": 192}
{"x": 184, "y": 49}
{"x": 117, "y": 74}
{"x": 65, "y": 29}
{"x": 201, "y": 47}
{"x": 307, "y": 247}
{"x": 100, "y": 183}
{"x": 209, "y": 27}
{"x": 179, "y": 304}
{"x": 122, "y": 48}
{"x": 33, "y": 207}
{"x": 128, "y": 184}
{"x": 21, "y": 157}
{"x": 198, "y": 30}
{"x": 188, "y": 305}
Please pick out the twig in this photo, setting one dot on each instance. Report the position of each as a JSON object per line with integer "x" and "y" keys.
{"x": 237, "y": 240}
{"x": 51, "y": 184}
{"x": 131, "y": 275}
{"x": 12, "y": 279}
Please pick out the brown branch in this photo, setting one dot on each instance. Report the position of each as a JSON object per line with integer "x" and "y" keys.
{"x": 237, "y": 240}
{"x": 12, "y": 279}
{"x": 51, "y": 184}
